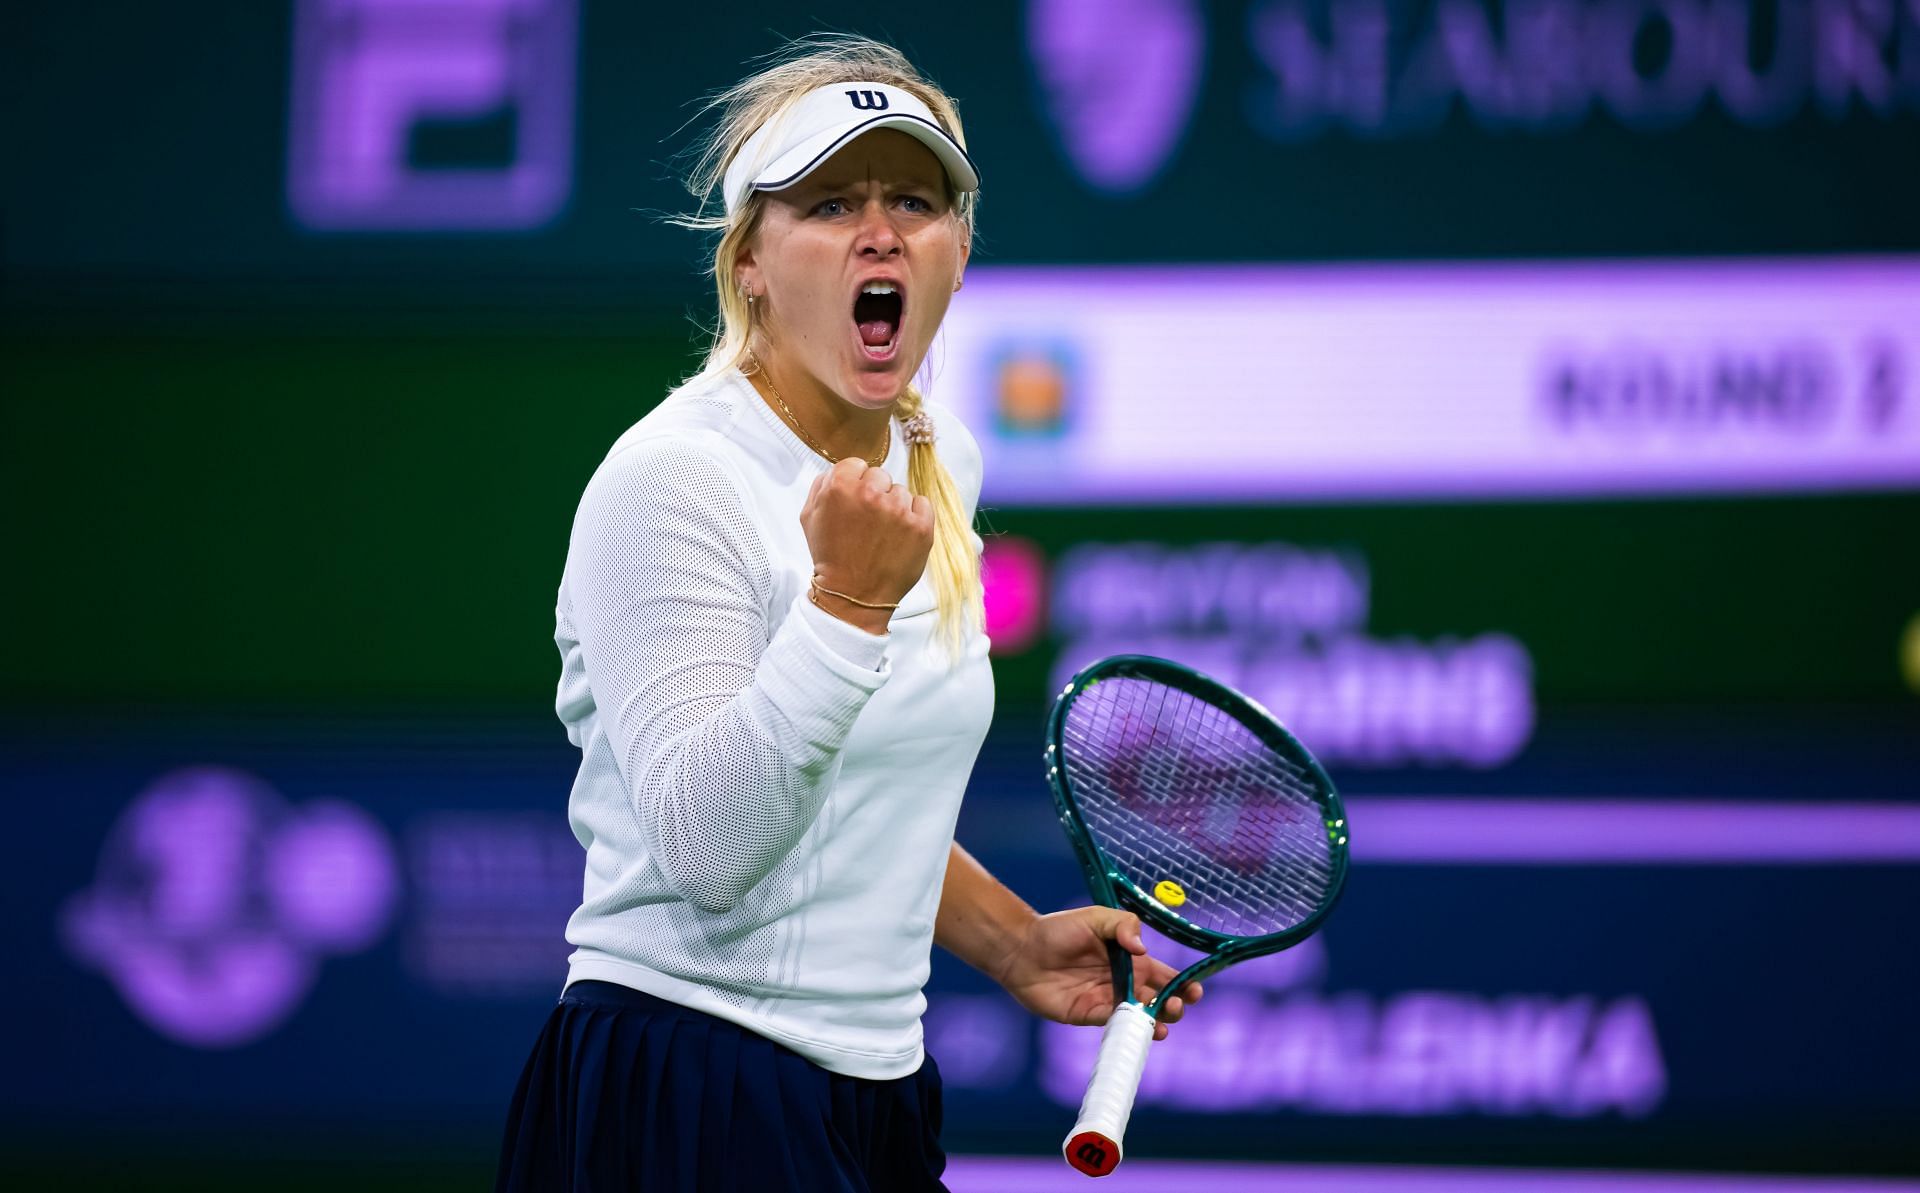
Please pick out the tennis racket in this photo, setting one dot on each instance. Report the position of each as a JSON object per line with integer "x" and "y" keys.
{"x": 1188, "y": 805}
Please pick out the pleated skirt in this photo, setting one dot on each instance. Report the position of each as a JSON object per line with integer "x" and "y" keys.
{"x": 625, "y": 1091}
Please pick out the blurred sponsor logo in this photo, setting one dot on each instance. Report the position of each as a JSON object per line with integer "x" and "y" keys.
{"x": 215, "y": 901}
{"x": 493, "y": 892}
{"x": 1383, "y": 70}
{"x": 422, "y": 115}
{"x": 1119, "y": 78}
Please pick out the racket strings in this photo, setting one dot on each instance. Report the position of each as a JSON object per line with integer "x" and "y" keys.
{"x": 1177, "y": 789}
{"x": 1220, "y": 898}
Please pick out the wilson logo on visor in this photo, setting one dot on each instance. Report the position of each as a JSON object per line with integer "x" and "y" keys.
{"x": 869, "y": 101}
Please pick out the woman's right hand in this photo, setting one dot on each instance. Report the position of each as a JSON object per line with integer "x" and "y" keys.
{"x": 869, "y": 537}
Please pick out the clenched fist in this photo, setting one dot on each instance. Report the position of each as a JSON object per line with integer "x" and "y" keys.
{"x": 869, "y": 538}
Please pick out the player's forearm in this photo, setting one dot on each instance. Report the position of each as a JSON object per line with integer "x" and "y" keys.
{"x": 726, "y": 784}
{"x": 980, "y": 920}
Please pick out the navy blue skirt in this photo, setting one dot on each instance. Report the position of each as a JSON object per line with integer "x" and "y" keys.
{"x": 625, "y": 1091}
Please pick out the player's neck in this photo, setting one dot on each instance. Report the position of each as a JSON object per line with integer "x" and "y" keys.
{"x": 836, "y": 426}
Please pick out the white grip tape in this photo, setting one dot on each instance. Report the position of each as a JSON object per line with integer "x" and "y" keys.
{"x": 1116, "y": 1079}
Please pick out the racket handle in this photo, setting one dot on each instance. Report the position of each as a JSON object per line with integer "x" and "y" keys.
{"x": 1093, "y": 1146}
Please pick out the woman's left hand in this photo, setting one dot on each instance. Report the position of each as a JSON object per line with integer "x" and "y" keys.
{"x": 1059, "y": 969}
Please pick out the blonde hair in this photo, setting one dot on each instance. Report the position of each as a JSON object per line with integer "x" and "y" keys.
{"x": 789, "y": 74}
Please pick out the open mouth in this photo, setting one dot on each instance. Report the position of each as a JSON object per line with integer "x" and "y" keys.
{"x": 876, "y": 316}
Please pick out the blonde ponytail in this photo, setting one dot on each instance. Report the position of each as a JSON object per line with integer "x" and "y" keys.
{"x": 952, "y": 565}
{"x": 792, "y": 72}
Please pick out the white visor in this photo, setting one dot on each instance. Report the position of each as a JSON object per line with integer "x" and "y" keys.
{"x": 788, "y": 148}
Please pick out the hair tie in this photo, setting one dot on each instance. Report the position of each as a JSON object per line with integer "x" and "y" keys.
{"x": 918, "y": 429}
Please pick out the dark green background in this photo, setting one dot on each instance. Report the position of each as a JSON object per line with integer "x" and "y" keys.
{"x": 378, "y": 521}
{"x": 146, "y": 151}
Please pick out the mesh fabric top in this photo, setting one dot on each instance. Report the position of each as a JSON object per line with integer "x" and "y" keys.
{"x": 766, "y": 794}
{"x": 1173, "y": 788}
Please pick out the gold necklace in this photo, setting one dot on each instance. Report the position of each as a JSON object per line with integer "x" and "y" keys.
{"x": 872, "y": 461}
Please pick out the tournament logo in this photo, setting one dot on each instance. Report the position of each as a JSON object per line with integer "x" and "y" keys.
{"x": 216, "y": 899}
{"x": 1033, "y": 388}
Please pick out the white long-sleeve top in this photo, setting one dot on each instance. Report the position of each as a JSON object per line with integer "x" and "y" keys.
{"x": 766, "y": 794}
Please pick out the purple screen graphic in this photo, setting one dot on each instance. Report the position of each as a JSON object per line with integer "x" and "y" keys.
{"x": 215, "y": 900}
{"x": 1120, "y": 78}
{"x": 1041, "y": 1174}
{"x": 421, "y": 115}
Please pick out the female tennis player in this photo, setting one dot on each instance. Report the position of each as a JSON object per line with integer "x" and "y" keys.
{"x": 774, "y": 665}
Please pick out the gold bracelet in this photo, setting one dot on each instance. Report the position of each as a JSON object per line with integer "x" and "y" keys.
{"x": 816, "y": 587}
